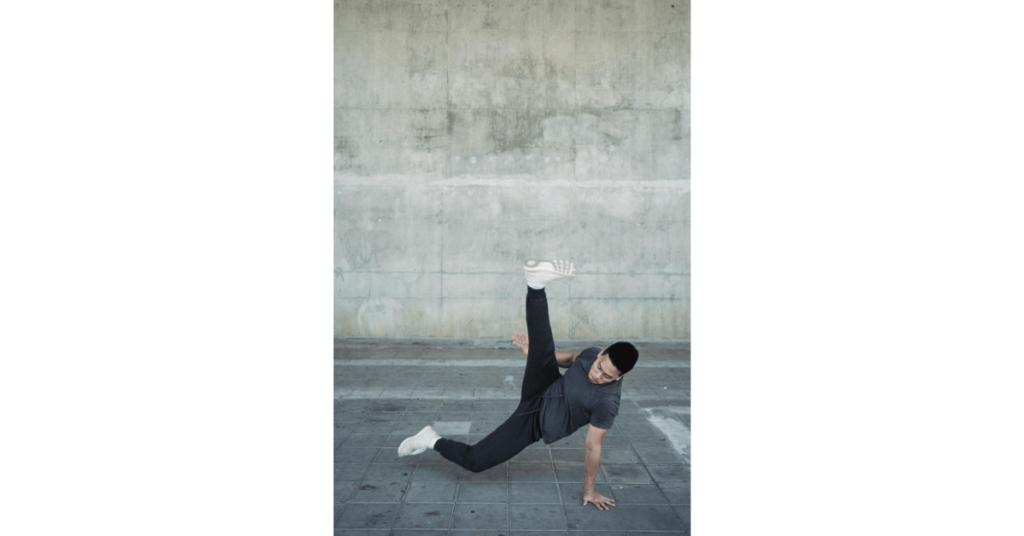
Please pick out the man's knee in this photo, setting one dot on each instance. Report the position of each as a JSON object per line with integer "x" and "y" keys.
{"x": 476, "y": 466}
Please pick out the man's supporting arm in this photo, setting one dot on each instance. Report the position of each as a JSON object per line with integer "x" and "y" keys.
{"x": 590, "y": 466}
{"x": 565, "y": 359}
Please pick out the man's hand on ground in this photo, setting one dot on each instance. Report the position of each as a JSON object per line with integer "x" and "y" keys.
{"x": 598, "y": 500}
{"x": 523, "y": 341}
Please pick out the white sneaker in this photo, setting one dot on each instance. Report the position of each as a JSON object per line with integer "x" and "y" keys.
{"x": 540, "y": 273}
{"x": 419, "y": 442}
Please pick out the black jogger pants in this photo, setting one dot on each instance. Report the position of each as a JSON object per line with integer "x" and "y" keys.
{"x": 523, "y": 428}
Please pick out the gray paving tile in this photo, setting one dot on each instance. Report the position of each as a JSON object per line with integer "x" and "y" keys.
{"x": 424, "y": 405}
{"x": 354, "y": 406}
{"x": 573, "y": 472}
{"x": 534, "y": 492}
{"x": 362, "y": 532}
{"x": 365, "y": 440}
{"x": 386, "y": 405}
{"x": 424, "y": 516}
{"x": 343, "y": 490}
{"x": 629, "y": 406}
{"x": 484, "y": 426}
{"x": 367, "y": 516}
{"x": 575, "y": 441}
{"x": 349, "y": 471}
{"x": 373, "y": 426}
{"x": 533, "y": 455}
{"x": 390, "y": 455}
{"x": 658, "y": 456}
{"x": 436, "y": 471}
{"x": 455, "y": 416}
{"x": 637, "y": 494}
{"x": 620, "y": 473}
{"x": 457, "y": 405}
{"x": 418, "y": 532}
{"x": 498, "y": 473}
{"x": 589, "y": 518}
{"x": 568, "y": 455}
{"x": 390, "y": 472}
{"x": 480, "y": 516}
{"x": 423, "y": 418}
{"x": 682, "y": 513}
{"x": 489, "y": 405}
{"x": 659, "y": 533}
{"x": 669, "y": 473}
{"x": 531, "y": 472}
{"x": 491, "y": 415}
{"x": 615, "y": 442}
{"x": 675, "y": 492}
{"x": 536, "y": 516}
{"x": 629, "y": 418}
{"x": 379, "y": 492}
{"x": 539, "y": 533}
{"x": 648, "y": 441}
{"x": 395, "y": 439}
{"x": 636, "y": 428}
{"x": 483, "y": 492}
{"x": 595, "y": 533}
{"x": 343, "y": 425}
{"x": 431, "y": 491}
{"x": 433, "y": 456}
{"x": 649, "y": 517}
{"x": 356, "y": 454}
{"x": 615, "y": 455}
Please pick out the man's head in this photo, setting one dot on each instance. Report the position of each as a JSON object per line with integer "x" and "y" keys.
{"x": 614, "y": 362}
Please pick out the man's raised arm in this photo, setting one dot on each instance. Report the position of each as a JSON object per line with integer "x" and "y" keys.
{"x": 565, "y": 359}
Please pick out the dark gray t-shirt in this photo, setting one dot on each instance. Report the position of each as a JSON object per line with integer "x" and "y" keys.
{"x": 573, "y": 401}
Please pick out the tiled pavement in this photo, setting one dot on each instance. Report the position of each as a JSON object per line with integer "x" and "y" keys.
{"x": 387, "y": 392}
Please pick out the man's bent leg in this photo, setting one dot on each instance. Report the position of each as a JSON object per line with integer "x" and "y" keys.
{"x": 541, "y": 365}
{"x": 509, "y": 439}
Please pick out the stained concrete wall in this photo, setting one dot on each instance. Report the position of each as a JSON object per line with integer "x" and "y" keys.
{"x": 473, "y": 135}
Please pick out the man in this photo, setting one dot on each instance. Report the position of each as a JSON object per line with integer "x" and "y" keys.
{"x": 551, "y": 406}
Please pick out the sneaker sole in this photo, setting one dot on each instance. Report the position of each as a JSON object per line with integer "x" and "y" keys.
{"x": 548, "y": 267}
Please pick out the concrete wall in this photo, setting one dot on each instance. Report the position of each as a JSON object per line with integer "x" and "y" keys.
{"x": 471, "y": 135}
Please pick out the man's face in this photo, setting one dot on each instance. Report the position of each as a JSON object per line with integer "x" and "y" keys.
{"x": 603, "y": 371}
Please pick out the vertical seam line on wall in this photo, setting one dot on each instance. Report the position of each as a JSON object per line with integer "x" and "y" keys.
{"x": 575, "y": 153}
{"x": 448, "y": 145}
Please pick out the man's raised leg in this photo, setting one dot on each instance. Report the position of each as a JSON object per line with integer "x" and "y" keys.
{"x": 521, "y": 429}
{"x": 541, "y": 365}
